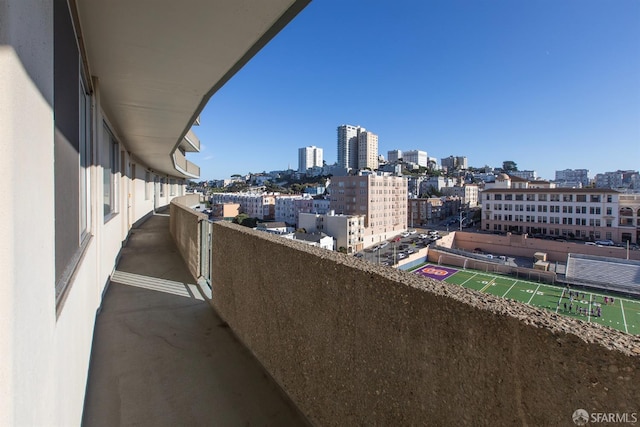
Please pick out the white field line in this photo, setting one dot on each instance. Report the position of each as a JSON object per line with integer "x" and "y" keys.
{"x": 465, "y": 282}
{"x": 624, "y": 319}
{"x": 533, "y": 295}
{"x": 511, "y": 287}
{"x": 560, "y": 300}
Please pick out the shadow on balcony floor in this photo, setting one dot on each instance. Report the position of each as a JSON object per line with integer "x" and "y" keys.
{"x": 162, "y": 357}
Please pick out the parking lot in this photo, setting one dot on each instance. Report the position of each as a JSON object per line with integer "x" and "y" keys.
{"x": 391, "y": 251}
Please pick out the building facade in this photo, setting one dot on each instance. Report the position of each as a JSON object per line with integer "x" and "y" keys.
{"x": 367, "y": 150}
{"x": 357, "y": 148}
{"x": 416, "y": 157}
{"x": 348, "y": 146}
{"x": 394, "y": 155}
{"x": 309, "y": 157}
{"x": 261, "y": 206}
{"x": 585, "y": 213}
{"x": 382, "y": 199}
{"x": 573, "y": 176}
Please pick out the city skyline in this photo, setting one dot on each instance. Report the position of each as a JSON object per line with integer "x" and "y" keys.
{"x": 550, "y": 86}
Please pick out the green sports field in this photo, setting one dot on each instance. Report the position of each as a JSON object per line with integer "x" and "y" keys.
{"x": 622, "y": 313}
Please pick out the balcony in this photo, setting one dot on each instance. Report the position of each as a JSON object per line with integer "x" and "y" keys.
{"x": 162, "y": 357}
{"x": 184, "y": 166}
{"x": 190, "y": 143}
{"x": 350, "y": 343}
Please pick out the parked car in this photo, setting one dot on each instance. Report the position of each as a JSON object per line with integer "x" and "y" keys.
{"x": 423, "y": 236}
{"x": 605, "y": 242}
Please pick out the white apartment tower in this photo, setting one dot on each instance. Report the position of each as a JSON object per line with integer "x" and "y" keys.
{"x": 348, "y": 146}
{"x": 309, "y": 157}
{"x": 357, "y": 148}
{"x": 417, "y": 157}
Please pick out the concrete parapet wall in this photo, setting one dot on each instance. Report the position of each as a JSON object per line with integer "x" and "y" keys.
{"x": 358, "y": 344}
{"x": 185, "y": 231}
{"x": 521, "y": 245}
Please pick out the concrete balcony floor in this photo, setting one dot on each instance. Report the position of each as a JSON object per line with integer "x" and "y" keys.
{"x": 162, "y": 357}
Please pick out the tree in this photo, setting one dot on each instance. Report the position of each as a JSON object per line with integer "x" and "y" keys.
{"x": 245, "y": 220}
{"x": 509, "y": 166}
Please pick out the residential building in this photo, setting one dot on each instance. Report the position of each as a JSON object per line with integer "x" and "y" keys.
{"x": 618, "y": 179}
{"x": 348, "y": 146}
{"x": 424, "y": 211}
{"x": 367, "y": 150}
{"x": 381, "y": 198}
{"x": 348, "y": 231}
{"x": 357, "y": 148}
{"x": 585, "y": 213}
{"x": 225, "y": 211}
{"x": 436, "y": 183}
{"x": 321, "y": 206}
{"x": 309, "y": 157}
{"x": 454, "y": 163}
{"x": 394, "y": 155}
{"x": 416, "y": 157}
{"x": 318, "y": 239}
{"x": 413, "y": 185}
{"x": 98, "y": 101}
{"x": 525, "y": 174}
{"x": 275, "y": 227}
{"x": 468, "y": 193}
{"x": 261, "y": 206}
{"x": 572, "y": 176}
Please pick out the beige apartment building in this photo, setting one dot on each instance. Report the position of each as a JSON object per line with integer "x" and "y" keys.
{"x": 347, "y": 230}
{"x": 367, "y": 150}
{"x": 381, "y": 198}
{"x": 585, "y": 213}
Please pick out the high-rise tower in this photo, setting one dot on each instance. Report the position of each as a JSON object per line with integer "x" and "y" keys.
{"x": 309, "y": 157}
{"x": 357, "y": 148}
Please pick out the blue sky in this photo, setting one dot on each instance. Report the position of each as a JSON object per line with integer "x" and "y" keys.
{"x": 549, "y": 84}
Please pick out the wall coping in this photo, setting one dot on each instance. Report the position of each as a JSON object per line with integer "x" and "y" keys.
{"x": 592, "y": 333}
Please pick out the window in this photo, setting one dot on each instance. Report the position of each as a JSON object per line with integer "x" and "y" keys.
{"x": 147, "y": 184}
{"x": 609, "y": 198}
{"x": 498, "y": 197}
{"x": 109, "y": 170}
{"x": 554, "y": 197}
{"x": 581, "y": 198}
{"x": 519, "y": 196}
{"x": 609, "y": 211}
{"x": 162, "y": 182}
{"x": 172, "y": 187}
{"x": 508, "y": 196}
{"x": 567, "y": 198}
{"x": 595, "y": 198}
{"x": 86, "y": 154}
{"x": 542, "y": 197}
{"x": 531, "y": 197}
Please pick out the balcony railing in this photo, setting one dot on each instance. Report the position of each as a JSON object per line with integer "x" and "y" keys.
{"x": 358, "y": 344}
{"x": 184, "y": 166}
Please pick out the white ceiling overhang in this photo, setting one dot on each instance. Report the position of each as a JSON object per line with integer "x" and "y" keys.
{"x": 157, "y": 62}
